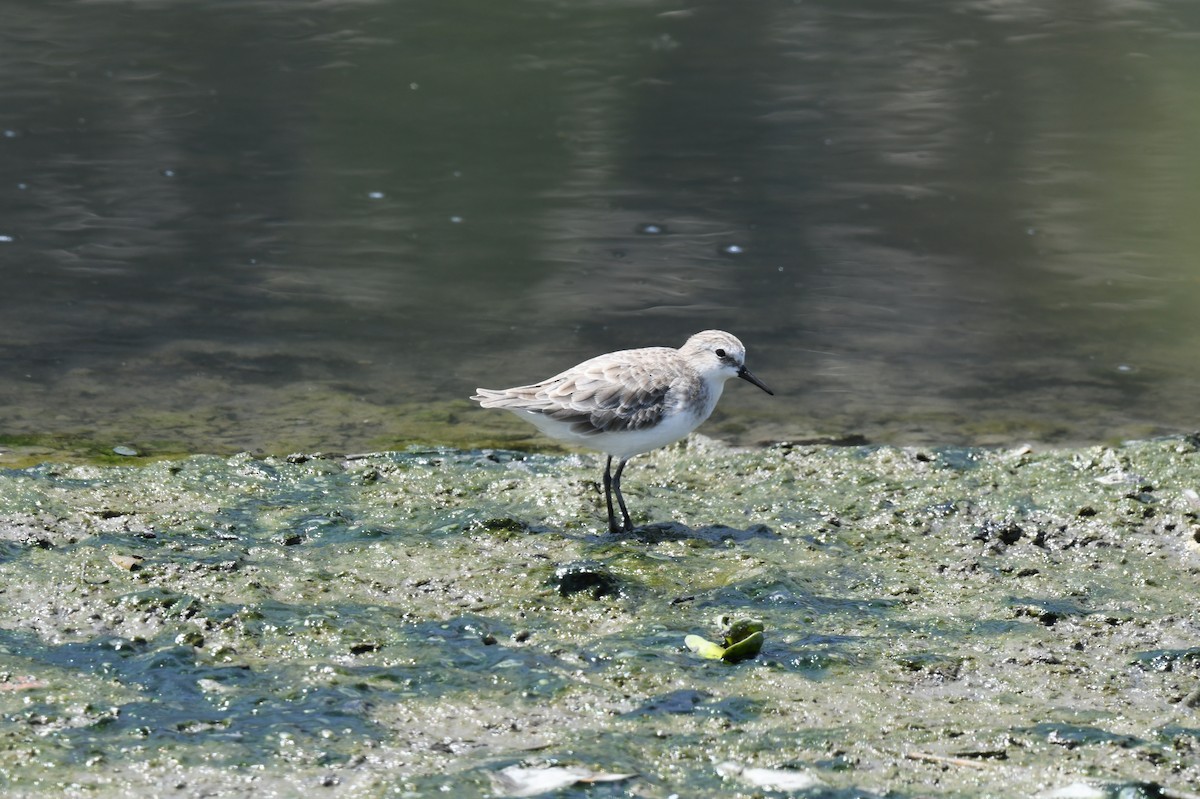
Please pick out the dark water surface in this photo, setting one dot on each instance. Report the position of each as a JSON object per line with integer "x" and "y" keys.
{"x": 277, "y": 225}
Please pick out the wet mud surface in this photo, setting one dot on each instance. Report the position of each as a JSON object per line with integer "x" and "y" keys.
{"x": 938, "y": 622}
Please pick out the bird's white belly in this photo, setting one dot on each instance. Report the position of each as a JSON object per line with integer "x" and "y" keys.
{"x": 624, "y": 443}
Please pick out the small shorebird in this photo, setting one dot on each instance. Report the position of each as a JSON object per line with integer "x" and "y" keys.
{"x": 628, "y": 402}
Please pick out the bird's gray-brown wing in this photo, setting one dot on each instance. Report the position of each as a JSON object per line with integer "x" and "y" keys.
{"x": 606, "y": 394}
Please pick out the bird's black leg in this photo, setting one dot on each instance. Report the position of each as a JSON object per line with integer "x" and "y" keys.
{"x": 612, "y": 519}
{"x": 616, "y": 484}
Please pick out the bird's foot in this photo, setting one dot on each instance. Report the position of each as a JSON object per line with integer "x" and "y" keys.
{"x": 616, "y": 529}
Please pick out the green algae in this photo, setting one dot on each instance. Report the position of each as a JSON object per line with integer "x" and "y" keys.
{"x": 221, "y": 417}
{"x": 390, "y": 625}
{"x": 282, "y": 424}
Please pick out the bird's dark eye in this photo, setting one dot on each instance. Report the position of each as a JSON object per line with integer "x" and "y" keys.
{"x": 720, "y": 353}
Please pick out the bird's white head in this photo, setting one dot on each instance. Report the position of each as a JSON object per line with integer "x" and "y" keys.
{"x": 718, "y": 356}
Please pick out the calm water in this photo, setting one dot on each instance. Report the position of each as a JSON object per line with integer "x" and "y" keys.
{"x": 279, "y": 224}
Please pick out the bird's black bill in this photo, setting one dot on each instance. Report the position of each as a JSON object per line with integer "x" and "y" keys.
{"x": 746, "y": 375}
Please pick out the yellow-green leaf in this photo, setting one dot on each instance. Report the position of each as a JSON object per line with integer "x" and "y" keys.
{"x": 744, "y": 649}
{"x": 704, "y": 648}
{"x": 742, "y": 629}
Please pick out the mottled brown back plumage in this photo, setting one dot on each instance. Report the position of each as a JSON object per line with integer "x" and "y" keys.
{"x": 621, "y": 391}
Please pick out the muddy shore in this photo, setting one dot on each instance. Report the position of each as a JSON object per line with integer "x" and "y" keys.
{"x": 938, "y": 622}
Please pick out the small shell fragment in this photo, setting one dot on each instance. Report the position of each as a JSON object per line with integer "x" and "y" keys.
{"x": 518, "y": 781}
{"x": 127, "y": 562}
{"x": 776, "y": 779}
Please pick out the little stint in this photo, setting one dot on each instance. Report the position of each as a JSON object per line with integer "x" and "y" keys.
{"x": 628, "y": 402}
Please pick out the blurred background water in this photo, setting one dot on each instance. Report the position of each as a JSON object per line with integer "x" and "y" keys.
{"x": 274, "y": 224}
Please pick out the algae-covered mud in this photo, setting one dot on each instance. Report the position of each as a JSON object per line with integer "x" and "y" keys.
{"x": 935, "y": 623}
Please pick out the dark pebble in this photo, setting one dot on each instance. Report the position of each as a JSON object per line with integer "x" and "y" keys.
{"x": 586, "y": 575}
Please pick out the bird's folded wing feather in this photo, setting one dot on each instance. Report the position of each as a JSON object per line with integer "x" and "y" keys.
{"x": 604, "y": 395}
